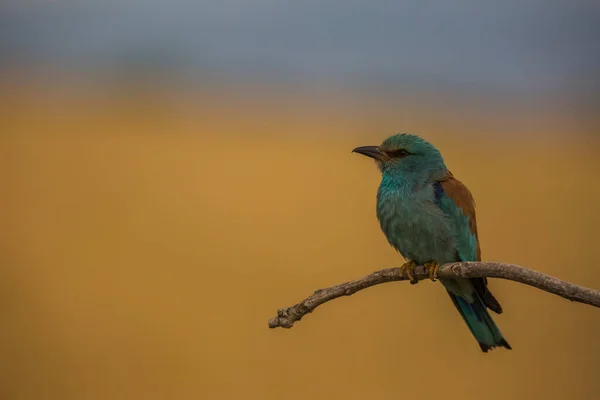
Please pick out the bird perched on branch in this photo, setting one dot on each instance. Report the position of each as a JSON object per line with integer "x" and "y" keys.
{"x": 429, "y": 217}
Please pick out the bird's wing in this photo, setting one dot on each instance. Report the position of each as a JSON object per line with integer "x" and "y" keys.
{"x": 457, "y": 202}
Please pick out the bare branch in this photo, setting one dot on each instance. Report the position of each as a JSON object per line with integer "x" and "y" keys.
{"x": 286, "y": 317}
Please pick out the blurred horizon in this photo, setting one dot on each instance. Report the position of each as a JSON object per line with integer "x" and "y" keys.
{"x": 512, "y": 48}
{"x": 506, "y": 60}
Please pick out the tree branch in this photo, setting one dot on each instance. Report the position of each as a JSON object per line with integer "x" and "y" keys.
{"x": 287, "y": 316}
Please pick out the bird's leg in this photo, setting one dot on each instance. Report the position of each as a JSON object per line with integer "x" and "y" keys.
{"x": 409, "y": 267}
{"x": 433, "y": 269}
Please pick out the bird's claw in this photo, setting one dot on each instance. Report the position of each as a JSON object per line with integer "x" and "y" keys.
{"x": 433, "y": 269}
{"x": 409, "y": 268}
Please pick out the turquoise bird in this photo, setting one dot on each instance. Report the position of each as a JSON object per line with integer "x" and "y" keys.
{"x": 428, "y": 216}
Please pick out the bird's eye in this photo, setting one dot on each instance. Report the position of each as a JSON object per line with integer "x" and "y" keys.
{"x": 399, "y": 153}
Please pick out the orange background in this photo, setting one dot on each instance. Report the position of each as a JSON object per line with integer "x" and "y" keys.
{"x": 149, "y": 236}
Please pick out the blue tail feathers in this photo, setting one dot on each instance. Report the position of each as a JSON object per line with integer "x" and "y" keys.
{"x": 480, "y": 323}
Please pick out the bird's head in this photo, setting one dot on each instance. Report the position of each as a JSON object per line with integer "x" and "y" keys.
{"x": 404, "y": 153}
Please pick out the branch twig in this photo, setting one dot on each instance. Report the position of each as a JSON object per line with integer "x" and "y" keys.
{"x": 287, "y": 316}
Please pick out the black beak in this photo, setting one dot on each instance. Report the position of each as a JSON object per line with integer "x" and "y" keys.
{"x": 369, "y": 151}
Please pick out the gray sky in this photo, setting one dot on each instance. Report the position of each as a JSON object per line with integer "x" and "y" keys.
{"x": 527, "y": 45}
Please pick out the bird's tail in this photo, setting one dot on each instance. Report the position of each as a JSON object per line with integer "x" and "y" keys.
{"x": 480, "y": 322}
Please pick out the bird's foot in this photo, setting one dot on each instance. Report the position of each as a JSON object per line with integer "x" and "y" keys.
{"x": 409, "y": 268}
{"x": 433, "y": 269}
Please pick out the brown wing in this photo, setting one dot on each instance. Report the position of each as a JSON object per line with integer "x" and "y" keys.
{"x": 462, "y": 197}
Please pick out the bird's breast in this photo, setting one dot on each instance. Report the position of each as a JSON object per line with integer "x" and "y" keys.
{"x": 415, "y": 226}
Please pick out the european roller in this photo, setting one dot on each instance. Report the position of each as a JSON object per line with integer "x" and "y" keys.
{"x": 428, "y": 216}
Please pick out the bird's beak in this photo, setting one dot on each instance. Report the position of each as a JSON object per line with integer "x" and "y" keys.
{"x": 370, "y": 151}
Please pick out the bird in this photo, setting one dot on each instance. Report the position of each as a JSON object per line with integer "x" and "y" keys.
{"x": 428, "y": 216}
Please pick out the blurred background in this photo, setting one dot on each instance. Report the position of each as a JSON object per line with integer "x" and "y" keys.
{"x": 174, "y": 172}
